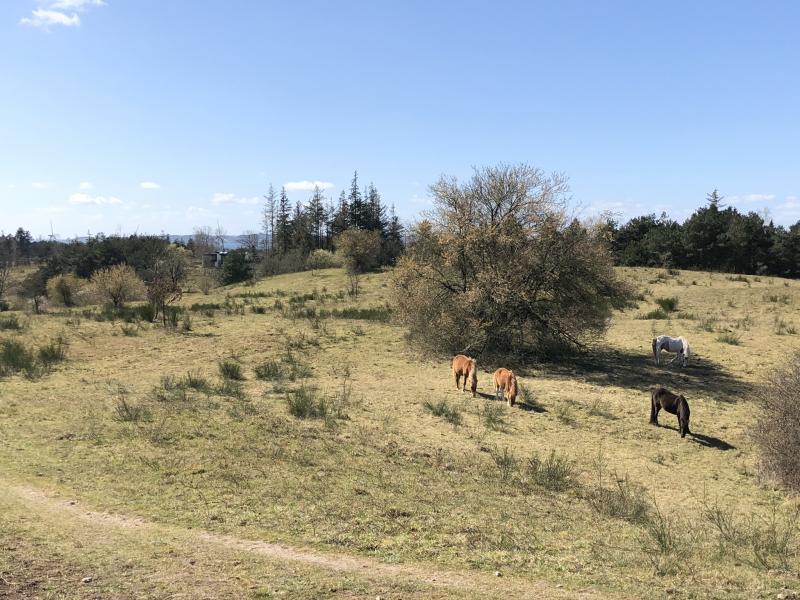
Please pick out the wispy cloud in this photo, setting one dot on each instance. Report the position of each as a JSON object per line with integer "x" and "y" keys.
{"x": 750, "y": 198}
{"x": 96, "y": 200}
{"x": 40, "y": 185}
{"x": 73, "y": 4}
{"x": 58, "y": 12}
{"x": 305, "y": 185}
{"x": 85, "y": 185}
{"x": 149, "y": 185}
{"x": 228, "y": 198}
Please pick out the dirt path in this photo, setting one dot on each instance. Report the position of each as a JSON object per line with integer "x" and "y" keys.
{"x": 473, "y": 583}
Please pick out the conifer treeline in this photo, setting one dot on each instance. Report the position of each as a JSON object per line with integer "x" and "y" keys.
{"x": 316, "y": 223}
{"x": 713, "y": 238}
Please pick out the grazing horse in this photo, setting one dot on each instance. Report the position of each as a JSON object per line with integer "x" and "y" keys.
{"x": 679, "y": 345}
{"x": 506, "y": 381}
{"x": 466, "y": 367}
{"x": 673, "y": 404}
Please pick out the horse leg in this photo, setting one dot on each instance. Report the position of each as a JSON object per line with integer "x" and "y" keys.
{"x": 458, "y": 378}
{"x": 654, "y": 408}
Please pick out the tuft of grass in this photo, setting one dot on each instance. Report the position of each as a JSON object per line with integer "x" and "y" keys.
{"x": 15, "y": 356}
{"x": 493, "y": 416}
{"x": 306, "y": 403}
{"x": 657, "y": 313}
{"x": 555, "y": 473}
{"x": 195, "y": 380}
{"x": 231, "y": 370}
{"x": 129, "y": 329}
{"x": 11, "y": 323}
{"x": 728, "y": 337}
{"x": 231, "y": 388}
{"x": 663, "y": 542}
{"x": 506, "y": 464}
{"x": 53, "y": 352}
{"x": 442, "y": 408}
{"x": 623, "y": 500}
{"x": 563, "y": 412}
{"x": 128, "y": 412}
{"x": 270, "y": 370}
{"x": 667, "y": 304}
{"x": 259, "y": 310}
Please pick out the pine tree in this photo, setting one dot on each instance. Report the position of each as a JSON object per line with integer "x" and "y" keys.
{"x": 376, "y": 212}
{"x": 356, "y": 205}
{"x": 316, "y": 215}
{"x": 268, "y": 219}
{"x": 392, "y": 246}
{"x": 283, "y": 233}
{"x": 301, "y": 230}
{"x": 340, "y": 220}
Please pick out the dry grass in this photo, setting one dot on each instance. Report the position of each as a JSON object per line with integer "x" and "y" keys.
{"x": 391, "y": 481}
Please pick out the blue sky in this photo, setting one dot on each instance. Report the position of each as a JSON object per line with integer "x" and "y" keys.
{"x": 153, "y": 115}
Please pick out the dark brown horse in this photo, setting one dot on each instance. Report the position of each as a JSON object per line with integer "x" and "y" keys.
{"x": 673, "y": 404}
{"x": 466, "y": 367}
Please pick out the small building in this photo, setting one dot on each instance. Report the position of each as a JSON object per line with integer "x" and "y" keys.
{"x": 214, "y": 259}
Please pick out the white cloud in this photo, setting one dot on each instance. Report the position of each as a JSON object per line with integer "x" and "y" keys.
{"x": 55, "y": 12}
{"x": 42, "y": 17}
{"x": 305, "y": 185}
{"x": 228, "y": 198}
{"x": 85, "y": 185}
{"x": 40, "y": 185}
{"x": 97, "y": 200}
{"x": 73, "y": 4}
{"x": 750, "y": 198}
{"x": 12, "y": 186}
{"x": 149, "y": 185}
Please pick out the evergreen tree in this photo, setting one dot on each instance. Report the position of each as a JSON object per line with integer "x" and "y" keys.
{"x": 283, "y": 233}
{"x": 301, "y": 230}
{"x": 392, "y": 244}
{"x": 316, "y": 217}
{"x": 376, "y": 212}
{"x": 340, "y": 220}
{"x": 268, "y": 219}
{"x": 356, "y": 205}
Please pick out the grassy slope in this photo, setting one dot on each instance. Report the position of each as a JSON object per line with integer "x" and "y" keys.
{"x": 392, "y": 481}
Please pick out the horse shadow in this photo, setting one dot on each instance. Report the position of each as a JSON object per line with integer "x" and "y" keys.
{"x": 638, "y": 371}
{"x": 527, "y": 407}
{"x": 705, "y": 440}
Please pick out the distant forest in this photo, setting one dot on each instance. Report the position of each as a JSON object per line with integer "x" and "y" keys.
{"x": 713, "y": 238}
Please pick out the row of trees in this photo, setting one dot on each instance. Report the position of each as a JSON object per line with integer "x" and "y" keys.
{"x": 714, "y": 238}
{"x": 317, "y": 223}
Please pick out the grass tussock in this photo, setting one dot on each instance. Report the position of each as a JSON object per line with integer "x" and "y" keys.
{"x": 443, "y": 409}
{"x": 728, "y": 337}
{"x": 230, "y": 369}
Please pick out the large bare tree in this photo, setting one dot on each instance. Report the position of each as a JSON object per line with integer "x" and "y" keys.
{"x": 499, "y": 267}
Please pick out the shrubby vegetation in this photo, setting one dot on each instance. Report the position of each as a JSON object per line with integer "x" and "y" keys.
{"x": 714, "y": 238}
{"x": 777, "y": 430}
{"x": 499, "y": 267}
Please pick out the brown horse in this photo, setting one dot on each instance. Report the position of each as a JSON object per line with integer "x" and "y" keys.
{"x": 506, "y": 381}
{"x": 673, "y": 404}
{"x": 466, "y": 367}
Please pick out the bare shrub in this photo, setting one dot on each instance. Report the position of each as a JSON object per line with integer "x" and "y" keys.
{"x": 65, "y": 289}
{"x": 499, "y": 266}
{"x": 777, "y": 428}
{"x": 118, "y": 284}
{"x": 358, "y": 250}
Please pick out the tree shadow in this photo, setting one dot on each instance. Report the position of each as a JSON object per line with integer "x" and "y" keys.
{"x": 639, "y": 372}
{"x": 704, "y": 440}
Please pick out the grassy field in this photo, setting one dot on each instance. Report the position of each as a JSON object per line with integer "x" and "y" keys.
{"x": 284, "y": 441}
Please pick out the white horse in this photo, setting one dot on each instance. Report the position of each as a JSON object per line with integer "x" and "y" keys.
{"x": 678, "y": 345}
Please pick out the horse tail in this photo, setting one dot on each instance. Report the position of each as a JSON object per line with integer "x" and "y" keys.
{"x": 653, "y": 405}
{"x": 655, "y": 355}
{"x": 683, "y": 416}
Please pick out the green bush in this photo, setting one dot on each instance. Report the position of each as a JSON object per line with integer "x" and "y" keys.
{"x": 230, "y": 369}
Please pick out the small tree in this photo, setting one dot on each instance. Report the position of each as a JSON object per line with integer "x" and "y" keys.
{"x": 34, "y": 288}
{"x": 358, "y": 250}
{"x": 118, "y": 284}
{"x": 236, "y": 268}
{"x": 322, "y": 259}
{"x": 8, "y": 255}
{"x": 777, "y": 428}
{"x": 164, "y": 285}
{"x": 64, "y": 289}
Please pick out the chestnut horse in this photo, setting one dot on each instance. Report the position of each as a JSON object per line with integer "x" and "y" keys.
{"x": 673, "y": 404}
{"x": 466, "y": 367}
{"x": 506, "y": 381}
